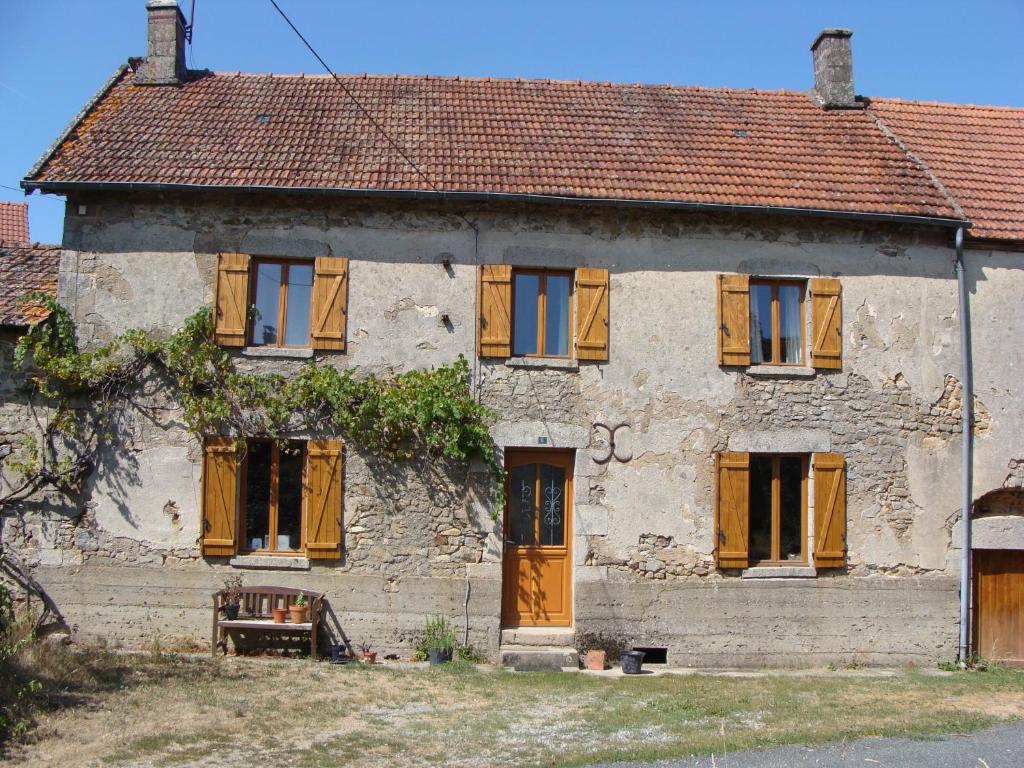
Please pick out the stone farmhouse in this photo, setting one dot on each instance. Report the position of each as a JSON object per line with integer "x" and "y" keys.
{"x": 723, "y": 332}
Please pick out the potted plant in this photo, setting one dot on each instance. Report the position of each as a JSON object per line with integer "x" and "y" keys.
{"x": 595, "y": 659}
{"x": 299, "y": 610}
{"x": 232, "y": 596}
{"x": 439, "y": 638}
{"x": 369, "y": 655}
{"x": 280, "y": 614}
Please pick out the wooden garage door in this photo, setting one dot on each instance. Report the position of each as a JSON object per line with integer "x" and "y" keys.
{"x": 999, "y": 605}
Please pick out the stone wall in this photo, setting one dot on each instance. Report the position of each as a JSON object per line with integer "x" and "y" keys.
{"x": 417, "y": 538}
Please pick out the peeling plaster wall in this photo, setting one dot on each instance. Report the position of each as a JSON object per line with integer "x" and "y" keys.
{"x": 643, "y": 529}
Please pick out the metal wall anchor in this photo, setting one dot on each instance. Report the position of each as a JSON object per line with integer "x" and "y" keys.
{"x": 612, "y": 452}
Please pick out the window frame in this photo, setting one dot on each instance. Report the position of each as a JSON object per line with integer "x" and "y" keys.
{"x": 542, "y": 275}
{"x": 775, "y": 284}
{"x": 275, "y": 491}
{"x": 282, "y": 301}
{"x": 774, "y": 560}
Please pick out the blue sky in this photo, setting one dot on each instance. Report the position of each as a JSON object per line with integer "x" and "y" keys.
{"x": 57, "y": 53}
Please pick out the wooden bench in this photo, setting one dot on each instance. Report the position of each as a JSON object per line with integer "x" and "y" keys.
{"x": 255, "y": 626}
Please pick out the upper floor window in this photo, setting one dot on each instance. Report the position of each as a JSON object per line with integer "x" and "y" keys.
{"x": 282, "y": 292}
{"x": 776, "y": 322}
{"x": 542, "y": 313}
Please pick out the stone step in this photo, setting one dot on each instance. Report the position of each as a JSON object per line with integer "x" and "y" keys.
{"x": 549, "y": 636}
{"x": 539, "y": 658}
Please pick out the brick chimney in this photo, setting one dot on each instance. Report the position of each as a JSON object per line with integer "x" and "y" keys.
{"x": 833, "y": 69}
{"x": 165, "y": 53}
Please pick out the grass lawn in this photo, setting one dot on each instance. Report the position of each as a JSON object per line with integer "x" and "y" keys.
{"x": 103, "y": 708}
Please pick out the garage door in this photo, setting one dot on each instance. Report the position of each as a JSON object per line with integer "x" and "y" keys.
{"x": 999, "y": 604}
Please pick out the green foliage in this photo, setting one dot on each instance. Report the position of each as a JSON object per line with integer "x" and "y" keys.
{"x": 17, "y": 691}
{"x": 437, "y": 634}
{"x": 423, "y": 412}
{"x": 300, "y": 600}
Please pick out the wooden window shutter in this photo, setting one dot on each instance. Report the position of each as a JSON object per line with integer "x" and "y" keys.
{"x": 324, "y": 484}
{"x": 220, "y": 496}
{"x": 330, "y": 303}
{"x": 829, "y": 510}
{"x": 734, "y": 319}
{"x": 826, "y": 323}
{"x": 231, "y": 299}
{"x": 494, "y": 335}
{"x": 591, "y": 314}
{"x": 732, "y": 503}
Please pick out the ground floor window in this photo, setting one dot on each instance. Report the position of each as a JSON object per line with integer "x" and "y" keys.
{"x": 272, "y": 502}
{"x": 778, "y": 509}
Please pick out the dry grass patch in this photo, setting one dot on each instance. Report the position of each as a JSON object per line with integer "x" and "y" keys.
{"x": 161, "y": 710}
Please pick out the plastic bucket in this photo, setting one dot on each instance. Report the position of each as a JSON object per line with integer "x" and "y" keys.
{"x": 631, "y": 662}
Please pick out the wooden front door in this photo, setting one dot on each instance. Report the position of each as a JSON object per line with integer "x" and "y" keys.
{"x": 537, "y": 567}
{"x": 999, "y": 605}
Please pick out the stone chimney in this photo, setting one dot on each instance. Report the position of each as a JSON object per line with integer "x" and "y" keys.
{"x": 165, "y": 53}
{"x": 833, "y": 69}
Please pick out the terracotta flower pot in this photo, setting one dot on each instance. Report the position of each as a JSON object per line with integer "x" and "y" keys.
{"x": 298, "y": 614}
{"x": 595, "y": 660}
{"x": 370, "y": 657}
{"x": 279, "y": 615}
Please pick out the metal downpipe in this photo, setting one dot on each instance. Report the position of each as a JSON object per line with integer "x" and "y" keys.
{"x": 967, "y": 427}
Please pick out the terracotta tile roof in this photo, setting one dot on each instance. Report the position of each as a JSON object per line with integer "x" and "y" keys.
{"x": 14, "y": 222}
{"x": 977, "y": 153}
{"x": 583, "y": 140}
{"x": 25, "y": 268}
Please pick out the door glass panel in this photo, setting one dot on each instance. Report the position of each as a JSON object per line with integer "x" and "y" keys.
{"x": 289, "y": 500}
{"x": 760, "y": 508}
{"x": 268, "y": 293}
{"x": 556, "y": 333}
{"x": 257, "y": 496}
{"x": 789, "y": 323}
{"x": 300, "y": 286}
{"x": 524, "y": 339}
{"x": 522, "y": 505}
{"x": 552, "y": 497}
{"x": 760, "y": 323}
{"x": 791, "y": 473}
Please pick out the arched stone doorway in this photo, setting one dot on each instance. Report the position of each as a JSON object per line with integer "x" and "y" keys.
{"x": 997, "y": 543}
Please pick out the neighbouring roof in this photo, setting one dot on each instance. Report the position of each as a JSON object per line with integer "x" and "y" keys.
{"x": 977, "y": 153}
{"x": 25, "y": 268}
{"x": 14, "y": 222}
{"x": 589, "y": 141}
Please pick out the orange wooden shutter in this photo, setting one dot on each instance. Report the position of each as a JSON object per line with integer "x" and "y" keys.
{"x": 220, "y": 496}
{"x": 231, "y": 299}
{"x": 826, "y": 323}
{"x": 829, "y": 510}
{"x": 330, "y": 302}
{"x": 734, "y": 319}
{"x": 323, "y": 517}
{"x": 591, "y": 314}
{"x": 732, "y": 492}
{"x": 494, "y": 335}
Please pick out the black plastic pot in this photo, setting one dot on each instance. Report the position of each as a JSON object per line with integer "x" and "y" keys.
{"x": 631, "y": 662}
{"x": 439, "y": 655}
{"x": 231, "y": 611}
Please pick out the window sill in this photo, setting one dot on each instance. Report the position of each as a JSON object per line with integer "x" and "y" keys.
{"x": 284, "y": 353}
{"x": 780, "y": 572}
{"x": 270, "y": 562}
{"x": 559, "y": 363}
{"x": 790, "y": 371}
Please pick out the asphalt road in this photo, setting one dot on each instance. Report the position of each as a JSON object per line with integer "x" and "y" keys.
{"x": 999, "y": 747}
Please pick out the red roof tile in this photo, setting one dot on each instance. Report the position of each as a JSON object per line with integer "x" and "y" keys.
{"x": 14, "y": 222}
{"x": 23, "y": 269}
{"x": 576, "y": 139}
{"x": 977, "y": 153}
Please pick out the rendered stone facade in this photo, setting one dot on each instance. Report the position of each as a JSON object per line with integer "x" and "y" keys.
{"x": 123, "y": 562}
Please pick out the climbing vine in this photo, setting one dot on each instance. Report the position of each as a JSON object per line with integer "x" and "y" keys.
{"x": 428, "y": 413}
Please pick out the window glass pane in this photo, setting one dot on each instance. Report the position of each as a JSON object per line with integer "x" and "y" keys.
{"x": 268, "y": 291}
{"x": 552, "y": 500}
{"x": 760, "y": 508}
{"x": 257, "y": 496}
{"x": 556, "y": 334}
{"x": 289, "y": 499}
{"x": 522, "y": 504}
{"x": 789, "y": 323}
{"x": 760, "y": 324}
{"x": 524, "y": 335}
{"x": 791, "y": 472}
{"x": 300, "y": 287}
